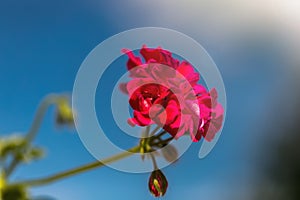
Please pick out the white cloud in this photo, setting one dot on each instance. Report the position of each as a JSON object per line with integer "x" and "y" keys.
{"x": 224, "y": 22}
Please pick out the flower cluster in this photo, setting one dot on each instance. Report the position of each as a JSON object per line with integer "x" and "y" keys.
{"x": 165, "y": 91}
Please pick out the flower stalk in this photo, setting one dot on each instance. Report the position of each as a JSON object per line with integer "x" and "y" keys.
{"x": 97, "y": 164}
{"x": 78, "y": 170}
{"x": 51, "y": 99}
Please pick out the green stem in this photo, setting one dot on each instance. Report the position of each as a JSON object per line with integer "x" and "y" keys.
{"x": 161, "y": 143}
{"x": 160, "y": 134}
{"x": 36, "y": 124}
{"x": 154, "y": 130}
{"x": 153, "y": 161}
{"x": 41, "y": 111}
{"x": 77, "y": 170}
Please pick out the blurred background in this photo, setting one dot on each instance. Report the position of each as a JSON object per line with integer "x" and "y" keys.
{"x": 256, "y": 46}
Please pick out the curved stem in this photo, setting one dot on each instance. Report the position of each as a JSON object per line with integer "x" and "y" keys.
{"x": 31, "y": 134}
{"x": 84, "y": 168}
{"x": 41, "y": 111}
{"x": 153, "y": 161}
{"x": 155, "y": 130}
{"x": 90, "y": 166}
{"x": 160, "y": 134}
{"x": 146, "y": 133}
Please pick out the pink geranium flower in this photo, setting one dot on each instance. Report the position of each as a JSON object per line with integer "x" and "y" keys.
{"x": 165, "y": 91}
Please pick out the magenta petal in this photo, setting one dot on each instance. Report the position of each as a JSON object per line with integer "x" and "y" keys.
{"x": 185, "y": 69}
{"x": 172, "y": 111}
{"x": 179, "y": 133}
{"x": 123, "y": 88}
{"x": 132, "y": 121}
{"x": 133, "y": 61}
{"x": 218, "y": 110}
{"x": 214, "y": 95}
{"x": 211, "y": 132}
{"x": 188, "y": 72}
{"x": 199, "y": 89}
{"x": 142, "y": 119}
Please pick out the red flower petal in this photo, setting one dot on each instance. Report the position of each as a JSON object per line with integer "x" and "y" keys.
{"x": 142, "y": 119}
{"x": 175, "y": 102}
{"x": 188, "y": 72}
{"x": 133, "y": 61}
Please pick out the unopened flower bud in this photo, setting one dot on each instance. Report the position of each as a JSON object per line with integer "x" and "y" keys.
{"x": 64, "y": 113}
{"x": 158, "y": 183}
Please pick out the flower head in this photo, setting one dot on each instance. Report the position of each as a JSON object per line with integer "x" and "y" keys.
{"x": 158, "y": 183}
{"x": 166, "y": 92}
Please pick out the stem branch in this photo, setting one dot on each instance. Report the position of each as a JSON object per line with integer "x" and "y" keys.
{"x": 77, "y": 170}
{"x": 31, "y": 134}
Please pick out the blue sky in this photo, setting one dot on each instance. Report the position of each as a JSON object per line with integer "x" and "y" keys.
{"x": 42, "y": 45}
